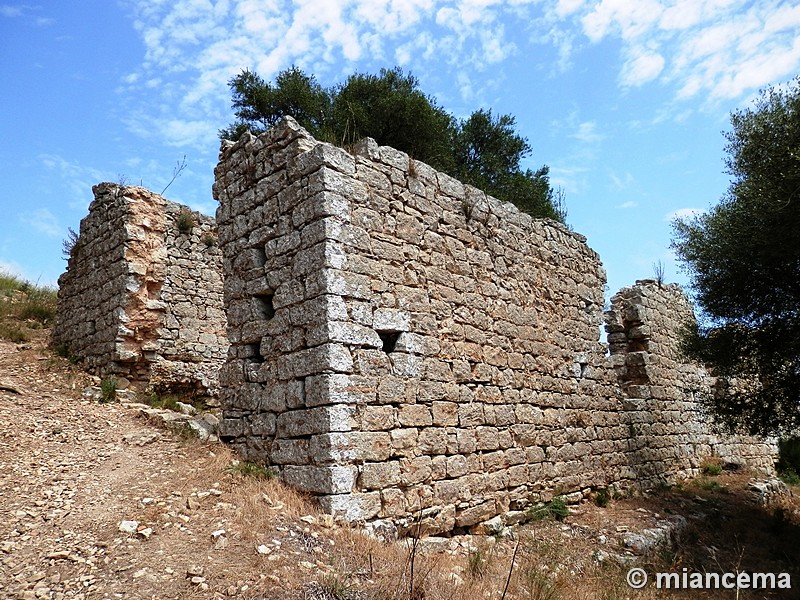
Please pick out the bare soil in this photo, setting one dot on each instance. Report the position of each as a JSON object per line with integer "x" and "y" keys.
{"x": 72, "y": 470}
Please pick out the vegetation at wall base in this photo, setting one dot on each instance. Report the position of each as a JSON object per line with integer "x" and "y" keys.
{"x": 788, "y": 466}
{"x": 483, "y": 150}
{"x": 108, "y": 389}
{"x": 246, "y": 468}
{"x": 24, "y": 306}
{"x": 743, "y": 257}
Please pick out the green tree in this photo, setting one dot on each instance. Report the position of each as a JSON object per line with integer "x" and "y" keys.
{"x": 743, "y": 257}
{"x": 258, "y": 105}
{"x": 488, "y": 152}
{"x": 483, "y": 150}
{"x": 391, "y": 109}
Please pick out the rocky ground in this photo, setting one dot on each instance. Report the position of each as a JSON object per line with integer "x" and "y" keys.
{"x": 98, "y": 502}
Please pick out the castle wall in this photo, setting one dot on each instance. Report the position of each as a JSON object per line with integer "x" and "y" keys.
{"x": 142, "y": 298}
{"x": 405, "y": 347}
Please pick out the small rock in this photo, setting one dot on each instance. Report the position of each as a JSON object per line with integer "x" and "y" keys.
{"x": 194, "y": 571}
{"x": 186, "y": 409}
{"x": 145, "y": 533}
{"x": 310, "y": 519}
{"x": 493, "y": 526}
{"x": 129, "y": 526}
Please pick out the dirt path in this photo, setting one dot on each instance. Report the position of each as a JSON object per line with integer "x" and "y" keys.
{"x": 72, "y": 470}
{"x": 95, "y": 502}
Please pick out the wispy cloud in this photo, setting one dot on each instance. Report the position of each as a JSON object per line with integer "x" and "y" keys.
{"x": 714, "y": 49}
{"x": 627, "y": 204}
{"x": 621, "y": 182}
{"x": 43, "y": 221}
{"x": 193, "y": 48}
{"x": 587, "y": 133}
{"x": 76, "y": 179}
{"x": 11, "y": 11}
{"x": 721, "y": 49}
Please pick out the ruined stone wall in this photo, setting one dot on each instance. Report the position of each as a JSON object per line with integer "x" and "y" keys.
{"x": 142, "y": 293}
{"x": 404, "y": 345}
{"x": 663, "y": 394}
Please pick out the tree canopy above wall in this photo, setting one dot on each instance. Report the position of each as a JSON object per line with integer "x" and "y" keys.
{"x": 483, "y": 150}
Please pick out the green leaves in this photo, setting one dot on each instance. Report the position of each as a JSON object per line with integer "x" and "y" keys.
{"x": 743, "y": 257}
{"x": 483, "y": 150}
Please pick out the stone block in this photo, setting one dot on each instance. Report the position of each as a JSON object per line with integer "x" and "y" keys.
{"x": 323, "y": 419}
{"x": 415, "y": 470}
{"x": 332, "y": 479}
{"x": 352, "y": 507}
{"x": 470, "y": 516}
{"x": 339, "y": 388}
{"x": 378, "y": 476}
{"x": 445, "y": 414}
{"x": 414, "y": 415}
{"x": 432, "y": 440}
{"x": 351, "y": 446}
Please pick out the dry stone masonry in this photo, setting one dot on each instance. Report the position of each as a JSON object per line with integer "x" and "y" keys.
{"x": 142, "y": 294}
{"x": 406, "y": 347}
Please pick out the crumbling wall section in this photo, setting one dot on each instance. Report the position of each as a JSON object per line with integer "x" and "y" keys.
{"x": 406, "y": 347}
{"x": 671, "y": 432}
{"x": 142, "y": 294}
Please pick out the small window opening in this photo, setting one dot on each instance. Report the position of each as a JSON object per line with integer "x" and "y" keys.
{"x": 389, "y": 339}
{"x": 264, "y": 307}
{"x": 92, "y": 327}
{"x": 254, "y": 353}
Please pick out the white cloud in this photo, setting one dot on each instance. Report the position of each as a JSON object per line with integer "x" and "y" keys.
{"x": 719, "y": 49}
{"x": 43, "y": 221}
{"x": 11, "y": 11}
{"x": 621, "y": 183}
{"x": 75, "y": 179}
{"x": 564, "y": 8}
{"x": 627, "y": 204}
{"x": 193, "y": 47}
{"x": 587, "y": 133}
{"x": 641, "y": 68}
{"x": 683, "y": 213}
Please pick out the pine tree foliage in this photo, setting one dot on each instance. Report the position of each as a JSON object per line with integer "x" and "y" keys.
{"x": 483, "y": 150}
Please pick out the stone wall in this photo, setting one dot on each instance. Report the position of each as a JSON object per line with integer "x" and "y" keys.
{"x": 142, "y": 294}
{"x": 404, "y": 346}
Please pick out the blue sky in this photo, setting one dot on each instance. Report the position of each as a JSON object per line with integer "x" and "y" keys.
{"x": 625, "y": 100}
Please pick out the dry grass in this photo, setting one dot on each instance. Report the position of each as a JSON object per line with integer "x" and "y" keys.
{"x": 23, "y": 307}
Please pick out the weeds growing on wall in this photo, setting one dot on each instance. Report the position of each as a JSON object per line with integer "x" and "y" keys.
{"x": 184, "y": 221}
